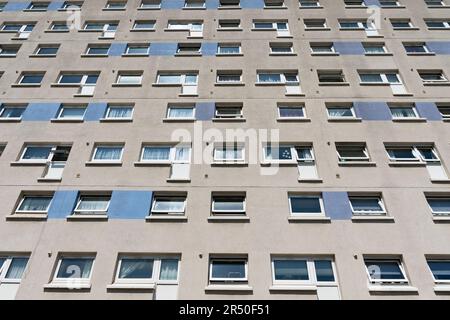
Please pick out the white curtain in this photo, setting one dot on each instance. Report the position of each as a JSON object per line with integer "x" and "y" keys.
{"x": 16, "y": 268}
{"x": 182, "y": 154}
{"x": 403, "y": 113}
{"x": 108, "y": 153}
{"x": 169, "y": 205}
{"x": 35, "y": 204}
{"x": 120, "y": 112}
{"x": 93, "y": 204}
{"x": 156, "y": 153}
{"x": 181, "y": 113}
{"x": 136, "y": 268}
{"x": 169, "y": 269}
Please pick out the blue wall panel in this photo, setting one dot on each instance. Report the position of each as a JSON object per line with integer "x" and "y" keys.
{"x": 372, "y": 3}
{"x": 439, "y": 47}
{"x": 372, "y": 110}
{"x": 212, "y": 4}
{"x": 428, "y": 110}
{"x": 163, "y": 49}
{"x": 117, "y": 49}
{"x": 16, "y": 6}
{"x": 95, "y": 111}
{"x": 209, "y": 48}
{"x": 130, "y": 204}
{"x": 337, "y": 205}
{"x": 252, "y": 4}
{"x": 41, "y": 111}
{"x": 55, "y": 5}
{"x": 349, "y": 48}
{"x": 172, "y": 4}
{"x": 63, "y": 204}
{"x": 205, "y": 110}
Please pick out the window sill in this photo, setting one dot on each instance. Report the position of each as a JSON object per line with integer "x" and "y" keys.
{"x": 67, "y": 120}
{"x": 229, "y": 54}
{"x": 300, "y": 219}
{"x": 6, "y": 120}
{"x": 56, "y": 31}
{"x": 188, "y": 95}
{"x": 166, "y": 84}
{"x": 114, "y": 9}
{"x": 187, "y": 8}
{"x": 349, "y": 119}
{"x": 317, "y": 29}
{"x": 104, "y": 163}
{"x": 309, "y": 180}
{"x": 446, "y": 83}
{"x": 27, "y": 217}
{"x": 8, "y": 55}
{"x": 22, "y": 85}
{"x": 19, "y": 39}
{"x": 65, "y": 85}
{"x": 116, "y": 120}
{"x": 405, "y": 29}
{"x": 48, "y": 180}
{"x": 282, "y": 54}
{"x": 228, "y": 119}
{"x": 193, "y": 54}
{"x": 68, "y": 286}
{"x": 275, "y": 8}
{"x": 287, "y": 36}
{"x": 376, "y": 54}
{"x": 131, "y": 287}
{"x": 441, "y": 219}
{"x": 87, "y": 217}
{"x": 175, "y": 180}
{"x": 294, "y": 119}
{"x": 94, "y": 56}
{"x": 393, "y": 289}
{"x": 307, "y": 8}
{"x": 144, "y": 9}
{"x": 42, "y": 56}
{"x": 279, "y": 164}
{"x": 357, "y": 164}
{"x": 229, "y": 288}
{"x": 385, "y": 84}
{"x": 420, "y": 54}
{"x": 263, "y": 29}
{"x": 228, "y": 218}
{"x": 79, "y": 95}
{"x": 229, "y": 29}
{"x": 406, "y": 164}
{"x": 152, "y": 164}
{"x": 372, "y": 219}
{"x": 179, "y": 120}
{"x": 142, "y": 30}
{"x": 28, "y": 163}
{"x": 136, "y": 55}
{"x": 229, "y": 84}
{"x": 325, "y": 54}
{"x": 409, "y": 120}
{"x": 229, "y": 7}
{"x": 166, "y": 218}
{"x": 443, "y": 181}
{"x": 127, "y": 85}
{"x": 341, "y": 84}
{"x": 229, "y": 164}
{"x": 293, "y": 288}
{"x": 263, "y": 84}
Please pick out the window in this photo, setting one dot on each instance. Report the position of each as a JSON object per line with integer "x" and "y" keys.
{"x": 389, "y": 77}
{"x": 59, "y": 26}
{"x": 435, "y": 3}
{"x": 12, "y": 268}
{"x": 407, "y": 111}
{"x": 437, "y": 24}
{"x": 399, "y": 24}
{"x": 322, "y": 48}
{"x": 150, "y": 4}
{"x": 105, "y": 153}
{"x": 77, "y": 78}
{"x": 288, "y": 270}
{"x": 439, "y": 204}
{"x": 315, "y": 24}
{"x": 274, "y": 4}
{"x": 137, "y": 49}
{"x": 355, "y": 24}
{"x": 389, "y": 3}
{"x": 17, "y": 27}
{"x": 134, "y": 269}
{"x": 36, "y": 153}
{"x": 72, "y": 112}
{"x": 432, "y": 76}
{"x": 273, "y": 77}
{"x": 352, "y": 152}
{"x": 189, "y": 48}
{"x": 168, "y": 205}
{"x": 340, "y": 111}
{"x": 65, "y": 275}
{"x": 46, "y": 50}
{"x": 12, "y": 112}
{"x": 156, "y": 153}
{"x": 185, "y": 25}
{"x": 2, "y": 6}
{"x": 144, "y": 25}
{"x": 440, "y": 269}
{"x": 72, "y": 5}
{"x": 181, "y": 112}
{"x": 129, "y": 78}
{"x": 412, "y": 154}
{"x": 229, "y": 49}
{"x": 291, "y": 112}
{"x": 228, "y": 3}
{"x": 34, "y": 204}
{"x": 225, "y": 24}
{"x": 229, "y": 153}
{"x": 228, "y": 270}
{"x": 306, "y": 205}
{"x": 92, "y": 205}
{"x": 416, "y": 48}
{"x": 194, "y": 4}
{"x": 444, "y": 109}
{"x": 225, "y": 111}
{"x": 229, "y": 76}
{"x": 97, "y": 49}
{"x": 176, "y": 79}
{"x": 331, "y": 76}
{"x": 287, "y": 154}
{"x": 223, "y": 204}
{"x": 309, "y": 3}
{"x": 374, "y": 48}
{"x": 31, "y": 78}
{"x": 100, "y": 26}
{"x": 119, "y": 112}
{"x": 268, "y": 25}
{"x": 367, "y": 205}
{"x": 2, "y": 149}
{"x": 281, "y": 48}
{"x": 385, "y": 271}
{"x": 354, "y": 3}
{"x": 38, "y": 6}
{"x": 116, "y": 5}
{"x": 8, "y": 50}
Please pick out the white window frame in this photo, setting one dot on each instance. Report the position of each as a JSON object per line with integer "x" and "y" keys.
{"x": 222, "y": 212}
{"x": 416, "y": 114}
{"x": 188, "y": 23}
{"x": 437, "y": 281}
{"x": 384, "y": 78}
{"x": 220, "y": 45}
{"x": 174, "y": 106}
{"x": 294, "y": 155}
{"x": 107, "y": 147}
{"x": 9, "y": 106}
{"x": 143, "y": 21}
{"x": 444, "y": 22}
{"x": 164, "y": 212}
{"x": 306, "y": 214}
{"x": 7, "y": 264}
{"x": 379, "y": 198}
{"x": 121, "y": 75}
{"x": 324, "y": 25}
{"x": 32, "y": 6}
{"x": 399, "y": 262}
{"x": 226, "y": 147}
{"x": 61, "y": 110}
{"x": 374, "y": 44}
{"x": 187, "y": 6}
{"x": 274, "y": 25}
{"x": 109, "y": 107}
{"x": 351, "y": 108}
{"x": 50, "y": 155}
{"x": 227, "y": 280}
{"x": 415, "y": 151}
{"x": 282, "y": 77}
{"x": 80, "y": 212}
{"x": 22, "y": 199}
{"x": 287, "y": 106}
{"x": 109, "y": 3}
{"x": 220, "y": 27}
{"x": 105, "y": 26}
{"x": 144, "y": 6}
{"x": 316, "y": 2}
{"x": 81, "y": 83}
{"x": 97, "y": 46}
{"x": 23, "y": 75}
{"x": 72, "y": 281}
{"x": 437, "y": 213}
{"x": 417, "y": 44}
{"x": 360, "y": 25}
{"x": 224, "y": 73}
{"x": 331, "y": 45}
{"x": 131, "y": 45}
{"x": 288, "y": 45}
{"x": 182, "y": 79}
{"x": 353, "y": 159}
{"x": 172, "y": 154}
{"x": 442, "y": 75}
{"x": 410, "y": 24}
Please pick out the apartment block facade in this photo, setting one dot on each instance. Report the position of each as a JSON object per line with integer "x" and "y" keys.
{"x": 119, "y": 182}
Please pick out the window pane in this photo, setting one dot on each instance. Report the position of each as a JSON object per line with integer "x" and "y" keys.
{"x": 228, "y": 204}
{"x": 156, "y": 153}
{"x": 37, "y": 153}
{"x": 340, "y": 112}
{"x": 366, "y": 204}
{"x": 170, "y": 79}
{"x": 108, "y": 153}
{"x": 324, "y": 270}
{"x": 370, "y": 77}
{"x": 77, "y": 113}
{"x": 403, "y": 112}
{"x": 440, "y": 269}
{"x": 11, "y": 112}
{"x": 16, "y": 268}
{"x": 269, "y": 77}
{"x": 427, "y": 154}
{"x": 287, "y": 112}
{"x": 181, "y": 112}
{"x": 280, "y": 153}
{"x": 93, "y": 204}
{"x": 136, "y": 269}
{"x": 384, "y": 270}
{"x": 72, "y": 78}
{"x": 305, "y": 205}
{"x": 439, "y": 205}
{"x": 290, "y": 270}
{"x": 30, "y": 79}
{"x": 352, "y": 152}
{"x": 169, "y": 269}
{"x": 35, "y": 204}
{"x": 119, "y": 112}
{"x": 401, "y": 154}
{"x": 169, "y": 205}
{"x": 228, "y": 270}
{"x": 75, "y": 268}
{"x": 47, "y": 50}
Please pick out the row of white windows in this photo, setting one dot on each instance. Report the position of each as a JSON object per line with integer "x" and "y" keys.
{"x": 186, "y": 112}
{"x": 199, "y": 4}
{"x": 223, "y": 49}
{"x": 135, "y": 270}
{"x": 225, "y": 204}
